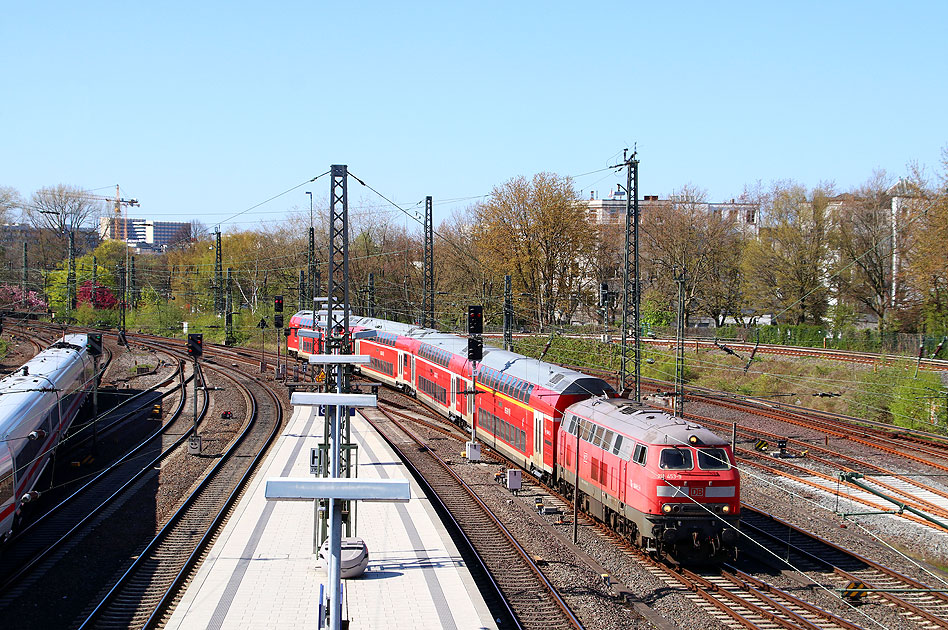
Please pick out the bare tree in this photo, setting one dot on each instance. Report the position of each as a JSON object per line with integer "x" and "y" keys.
{"x": 61, "y": 208}
{"x": 9, "y": 203}
{"x": 199, "y": 231}
{"x": 685, "y": 234}
{"x": 786, "y": 268}
{"x": 537, "y": 231}
{"x": 864, "y": 240}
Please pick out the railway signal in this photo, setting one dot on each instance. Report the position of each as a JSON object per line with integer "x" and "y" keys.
{"x": 277, "y": 303}
{"x": 475, "y": 328}
{"x": 94, "y": 343}
{"x": 195, "y": 344}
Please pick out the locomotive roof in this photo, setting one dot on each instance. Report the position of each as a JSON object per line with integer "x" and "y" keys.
{"x": 644, "y": 423}
{"x": 18, "y": 390}
{"x": 547, "y": 375}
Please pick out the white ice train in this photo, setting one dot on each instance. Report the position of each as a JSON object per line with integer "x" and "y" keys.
{"x": 38, "y": 403}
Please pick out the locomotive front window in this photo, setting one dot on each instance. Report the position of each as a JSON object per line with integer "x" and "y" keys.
{"x": 676, "y": 459}
{"x": 713, "y": 459}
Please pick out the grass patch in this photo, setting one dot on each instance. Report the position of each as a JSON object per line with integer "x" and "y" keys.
{"x": 884, "y": 393}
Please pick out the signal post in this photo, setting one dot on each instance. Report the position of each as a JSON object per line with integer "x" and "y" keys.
{"x": 475, "y": 352}
{"x": 195, "y": 350}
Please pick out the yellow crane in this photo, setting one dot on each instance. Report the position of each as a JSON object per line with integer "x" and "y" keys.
{"x": 118, "y": 203}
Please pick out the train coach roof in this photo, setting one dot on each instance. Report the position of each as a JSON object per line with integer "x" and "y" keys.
{"x": 644, "y": 423}
{"x": 549, "y": 376}
{"x": 17, "y": 390}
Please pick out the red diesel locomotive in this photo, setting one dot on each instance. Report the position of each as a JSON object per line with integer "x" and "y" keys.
{"x": 668, "y": 484}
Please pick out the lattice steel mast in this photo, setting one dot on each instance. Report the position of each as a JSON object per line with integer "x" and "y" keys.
{"x": 630, "y": 293}
{"x": 427, "y": 308}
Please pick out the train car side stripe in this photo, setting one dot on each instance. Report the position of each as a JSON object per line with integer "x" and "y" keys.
{"x": 513, "y": 401}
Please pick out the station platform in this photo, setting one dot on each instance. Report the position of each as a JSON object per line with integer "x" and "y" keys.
{"x": 262, "y": 572}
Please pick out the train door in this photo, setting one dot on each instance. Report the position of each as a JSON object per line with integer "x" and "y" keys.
{"x": 537, "y": 455}
{"x": 460, "y": 404}
{"x": 406, "y": 366}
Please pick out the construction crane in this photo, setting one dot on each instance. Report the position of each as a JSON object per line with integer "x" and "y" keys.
{"x": 118, "y": 203}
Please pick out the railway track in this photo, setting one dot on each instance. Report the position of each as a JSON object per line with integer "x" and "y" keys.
{"x": 802, "y": 552}
{"x": 32, "y": 550}
{"x": 737, "y": 598}
{"x": 149, "y": 587}
{"x": 532, "y": 600}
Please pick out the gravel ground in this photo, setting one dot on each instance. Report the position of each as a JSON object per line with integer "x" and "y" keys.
{"x": 813, "y": 510}
{"x": 888, "y": 540}
{"x": 595, "y": 604}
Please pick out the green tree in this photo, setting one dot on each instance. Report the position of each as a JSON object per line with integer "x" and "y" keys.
{"x": 926, "y": 270}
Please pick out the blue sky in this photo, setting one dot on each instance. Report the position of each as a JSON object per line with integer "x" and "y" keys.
{"x": 203, "y": 110}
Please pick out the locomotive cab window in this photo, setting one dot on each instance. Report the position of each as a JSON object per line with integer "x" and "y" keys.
{"x": 676, "y": 459}
{"x": 640, "y": 453}
{"x": 713, "y": 459}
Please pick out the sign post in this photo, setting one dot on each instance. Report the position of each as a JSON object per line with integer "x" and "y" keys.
{"x": 333, "y": 487}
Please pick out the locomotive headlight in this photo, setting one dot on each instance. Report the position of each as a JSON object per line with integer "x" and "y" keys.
{"x": 693, "y": 440}
{"x": 667, "y": 508}
{"x": 726, "y": 509}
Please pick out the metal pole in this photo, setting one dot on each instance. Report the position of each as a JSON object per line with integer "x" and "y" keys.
{"x": 195, "y": 377}
{"x": 23, "y": 288}
{"x": 71, "y": 276}
{"x": 508, "y": 315}
{"x": 576, "y": 492}
{"x": 630, "y": 276}
{"x": 337, "y": 336}
{"x": 311, "y": 271}
{"x": 95, "y": 400}
{"x": 427, "y": 310}
{"x": 474, "y": 414}
{"x": 636, "y": 301}
{"x": 95, "y": 279}
{"x": 680, "y": 353}
{"x": 371, "y": 295}
{"x": 301, "y": 290}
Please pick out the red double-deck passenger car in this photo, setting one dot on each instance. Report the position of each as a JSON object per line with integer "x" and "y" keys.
{"x": 669, "y": 484}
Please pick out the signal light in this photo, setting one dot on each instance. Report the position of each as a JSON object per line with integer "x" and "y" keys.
{"x": 475, "y": 320}
{"x": 475, "y": 327}
{"x": 278, "y": 320}
{"x": 94, "y": 344}
{"x": 195, "y": 344}
{"x": 278, "y": 305}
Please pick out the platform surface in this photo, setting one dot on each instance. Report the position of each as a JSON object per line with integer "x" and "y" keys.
{"x": 262, "y": 573}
